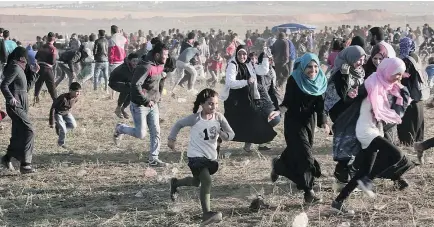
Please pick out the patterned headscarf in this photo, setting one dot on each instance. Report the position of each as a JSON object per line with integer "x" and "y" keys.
{"x": 406, "y": 46}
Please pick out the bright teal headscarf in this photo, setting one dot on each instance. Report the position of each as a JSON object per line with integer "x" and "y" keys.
{"x": 316, "y": 86}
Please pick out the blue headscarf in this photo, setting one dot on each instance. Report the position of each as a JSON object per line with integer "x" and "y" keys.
{"x": 406, "y": 46}
{"x": 316, "y": 86}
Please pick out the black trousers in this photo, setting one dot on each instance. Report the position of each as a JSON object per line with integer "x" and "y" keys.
{"x": 22, "y": 140}
{"x": 427, "y": 144}
{"x": 124, "y": 98}
{"x": 46, "y": 75}
{"x": 374, "y": 161}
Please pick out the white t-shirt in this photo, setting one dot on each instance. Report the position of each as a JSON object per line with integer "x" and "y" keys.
{"x": 203, "y": 134}
{"x": 367, "y": 128}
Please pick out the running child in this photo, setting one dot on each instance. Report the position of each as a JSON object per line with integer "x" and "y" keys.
{"x": 207, "y": 126}
{"x": 61, "y": 115}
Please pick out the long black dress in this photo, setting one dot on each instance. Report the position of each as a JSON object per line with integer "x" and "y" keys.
{"x": 17, "y": 81}
{"x": 412, "y": 127}
{"x": 297, "y": 162}
{"x": 245, "y": 117}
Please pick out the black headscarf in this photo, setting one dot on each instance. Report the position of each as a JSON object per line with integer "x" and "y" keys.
{"x": 243, "y": 71}
{"x": 357, "y": 40}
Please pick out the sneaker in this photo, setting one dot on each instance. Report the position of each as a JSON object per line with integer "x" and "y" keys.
{"x": 157, "y": 163}
{"x": 263, "y": 148}
{"x": 173, "y": 189}
{"x": 273, "y": 174}
{"x": 340, "y": 208}
{"x": 118, "y": 112}
{"x": 125, "y": 114}
{"x": 401, "y": 184}
{"x": 310, "y": 198}
{"x": 420, "y": 152}
{"x": 27, "y": 169}
{"x": 117, "y": 136}
{"x": 211, "y": 217}
{"x": 365, "y": 184}
{"x": 7, "y": 164}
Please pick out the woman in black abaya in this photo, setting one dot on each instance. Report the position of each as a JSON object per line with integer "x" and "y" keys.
{"x": 412, "y": 127}
{"x": 240, "y": 96}
{"x": 303, "y": 100}
{"x": 18, "y": 78}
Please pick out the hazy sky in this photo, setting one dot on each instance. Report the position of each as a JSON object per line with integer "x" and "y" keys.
{"x": 404, "y": 8}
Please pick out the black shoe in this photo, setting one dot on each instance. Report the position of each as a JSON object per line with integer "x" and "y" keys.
{"x": 173, "y": 189}
{"x": 211, "y": 217}
{"x": 340, "y": 208}
{"x": 401, "y": 184}
{"x": 311, "y": 198}
{"x": 27, "y": 170}
{"x": 6, "y": 162}
{"x": 273, "y": 174}
{"x": 263, "y": 148}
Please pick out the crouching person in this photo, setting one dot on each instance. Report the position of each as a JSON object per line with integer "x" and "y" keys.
{"x": 60, "y": 116}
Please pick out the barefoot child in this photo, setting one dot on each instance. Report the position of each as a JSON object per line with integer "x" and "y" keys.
{"x": 61, "y": 115}
{"x": 206, "y": 127}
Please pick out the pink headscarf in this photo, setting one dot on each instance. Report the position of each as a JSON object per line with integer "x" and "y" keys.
{"x": 378, "y": 87}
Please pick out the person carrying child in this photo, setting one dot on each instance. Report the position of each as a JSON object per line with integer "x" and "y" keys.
{"x": 207, "y": 126}
{"x": 60, "y": 116}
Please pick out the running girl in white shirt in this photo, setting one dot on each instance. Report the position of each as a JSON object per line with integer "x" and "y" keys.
{"x": 206, "y": 127}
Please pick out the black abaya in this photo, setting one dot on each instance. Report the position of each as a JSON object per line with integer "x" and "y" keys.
{"x": 297, "y": 162}
{"x": 16, "y": 85}
{"x": 412, "y": 127}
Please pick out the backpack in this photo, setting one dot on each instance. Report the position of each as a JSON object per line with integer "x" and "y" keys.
{"x": 420, "y": 90}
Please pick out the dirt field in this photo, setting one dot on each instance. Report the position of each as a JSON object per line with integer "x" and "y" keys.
{"x": 101, "y": 185}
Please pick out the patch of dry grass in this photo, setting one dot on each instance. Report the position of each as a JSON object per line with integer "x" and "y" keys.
{"x": 97, "y": 184}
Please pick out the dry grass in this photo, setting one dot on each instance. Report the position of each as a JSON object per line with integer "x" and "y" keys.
{"x": 97, "y": 184}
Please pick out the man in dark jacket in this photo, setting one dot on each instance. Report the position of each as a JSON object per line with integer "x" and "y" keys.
{"x": 145, "y": 94}
{"x": 280, "y": 51}
{"x": 71, "y": 64}
{"x": 100, "y": 51}
{"x": 46, "y": 58}
{"x": 120, "y": 81}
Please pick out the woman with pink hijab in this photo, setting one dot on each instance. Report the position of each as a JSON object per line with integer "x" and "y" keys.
{"x": 383, "y": 105}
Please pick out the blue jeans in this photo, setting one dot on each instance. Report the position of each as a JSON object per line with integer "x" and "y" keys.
{"x": 104, "y": 68}
{"x": 87, "y": 72}
{"x": 142, "y": 117}
{"x": 64, "y": 122}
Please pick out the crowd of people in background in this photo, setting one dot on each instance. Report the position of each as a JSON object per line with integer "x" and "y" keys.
{"x": 373, "y": 91}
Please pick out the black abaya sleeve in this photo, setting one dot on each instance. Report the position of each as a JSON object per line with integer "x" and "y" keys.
{"x": 320, "y": 112}
{"x": 31, "y": 77}
{"x": 273, "y": 96}
{"x": 341, "y": 84}
{"x": 289, "y": 93}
